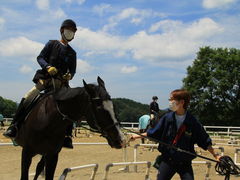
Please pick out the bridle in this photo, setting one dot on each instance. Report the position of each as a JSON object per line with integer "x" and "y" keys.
{"x": 94, "y": 102}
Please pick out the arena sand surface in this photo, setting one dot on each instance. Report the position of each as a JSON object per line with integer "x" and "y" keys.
{"x": 10, "y": 157}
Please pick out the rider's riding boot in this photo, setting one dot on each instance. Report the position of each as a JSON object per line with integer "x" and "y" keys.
{"x": 67, "y": 143}
{"x": 17, "y": 121}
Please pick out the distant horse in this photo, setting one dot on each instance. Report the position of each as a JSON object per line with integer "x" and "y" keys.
{"x": 157, "y": 116}
{"x": 44, "y": 128}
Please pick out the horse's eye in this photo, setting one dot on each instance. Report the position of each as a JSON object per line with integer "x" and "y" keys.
{"x": 98, "y": 102}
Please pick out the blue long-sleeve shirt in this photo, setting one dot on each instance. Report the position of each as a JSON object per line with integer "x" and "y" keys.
{"x": 63, "y": 57}
{"x": 166, "y": 131}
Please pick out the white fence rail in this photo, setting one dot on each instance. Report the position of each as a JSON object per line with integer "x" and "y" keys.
{"x": 214, "y": 130}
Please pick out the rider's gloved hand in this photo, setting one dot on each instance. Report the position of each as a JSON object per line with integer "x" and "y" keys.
{"x": 67, "y": 76}
{"x": 52, "y": 70}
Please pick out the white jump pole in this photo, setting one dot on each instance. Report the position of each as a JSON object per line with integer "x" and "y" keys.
{"x": 135, "y": 152}
{"x": 67, "y": 170}
{"x": 6, "y": 144}
{"x": 127, "y": 163}
{"x": 236, "y": 155}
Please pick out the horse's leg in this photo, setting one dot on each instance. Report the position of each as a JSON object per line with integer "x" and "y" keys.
{"x": 26, "y": 162}
{"x": 40, "y": 167}
{"x": 51, "y": 163}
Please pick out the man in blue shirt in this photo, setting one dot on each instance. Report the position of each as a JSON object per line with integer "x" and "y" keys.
{"x": 182, "y": 130}
{"x": 58, "y": 62}
{"x": 143, "y": 123}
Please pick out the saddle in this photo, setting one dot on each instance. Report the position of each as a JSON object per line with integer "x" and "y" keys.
{"x": 60, "y": 95}
{"x": 34, "y": 102}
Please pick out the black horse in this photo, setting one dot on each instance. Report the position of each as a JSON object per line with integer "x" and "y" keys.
{"x": 157, "y": 116}
{"x": 44, "y": 128}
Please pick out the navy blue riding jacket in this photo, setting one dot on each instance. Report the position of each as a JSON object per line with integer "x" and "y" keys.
{"x": 154, "y": 106}
{"x": 63, "y": 57}
{"x": 166, "y": 131}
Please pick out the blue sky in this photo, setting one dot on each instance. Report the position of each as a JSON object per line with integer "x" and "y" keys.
{"x": 140, "y": 48}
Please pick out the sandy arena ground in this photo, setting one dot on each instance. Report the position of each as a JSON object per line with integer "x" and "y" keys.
{"x": 102, "y": 154}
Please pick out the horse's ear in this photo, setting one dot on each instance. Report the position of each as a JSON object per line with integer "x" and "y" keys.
{"x": 86, "y": 86}
{"x": 84, "y": 83}
{"x": 100, "y": 82}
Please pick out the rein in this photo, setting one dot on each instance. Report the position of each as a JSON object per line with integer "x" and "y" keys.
{"x": 225, "y": 166}
{"x": 100, "y": 131}
{"x": 66, "y": 117}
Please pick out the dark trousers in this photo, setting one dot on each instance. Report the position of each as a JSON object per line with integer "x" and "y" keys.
{"x": 167, "y": 170}
{"x": 142, "y": 131}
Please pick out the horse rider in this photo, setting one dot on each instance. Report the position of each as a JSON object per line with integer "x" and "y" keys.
{"x": 154, "y": 108}
{"x": 58, "y": 62}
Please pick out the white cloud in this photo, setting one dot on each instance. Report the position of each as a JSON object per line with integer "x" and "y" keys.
{"x": 78, "y": 1}
{"x": 126, "y": 13}
{"x": 128, "y": 69}
{"x": 166, "y": 26}
{"x": 42, "y": 4}
{"x": 177, "y": 40}
{"x": 81, "y": 1}
{"x": 217, "y": 3}
{"x": 100, "y": 9}
{"x": 59, "y": 13}
{"x": 26, "y": 69}
{"x": 96, "y": 41}
{"x": 2, "y": 22}
{"x": 203, "y": 28}
{"x": 83, "y": 66}
{"x": 20, "y": 46}
{"x": 134, "y": 15}
{"x": 136, "y": 20}
{"x": 180, "y": 41}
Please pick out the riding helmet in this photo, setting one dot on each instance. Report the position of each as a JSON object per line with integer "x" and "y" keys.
{"x": 154, "y": 97}
{"x": 69, "y": 23}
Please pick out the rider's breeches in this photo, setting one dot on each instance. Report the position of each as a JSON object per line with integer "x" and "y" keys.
{"x": 41, "y": 85}
{"x": 32, "y": 93}
{"x": 151, "y": 116}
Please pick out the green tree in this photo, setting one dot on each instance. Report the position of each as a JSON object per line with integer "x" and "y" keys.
{"x": 128, "y": 110}
{"x": 7, "y": 107}
{"x": 214, "y": 83}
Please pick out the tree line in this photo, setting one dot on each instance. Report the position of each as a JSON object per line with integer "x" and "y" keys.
{"x": 7, "y": 107}
{"x": 213, "y": 81}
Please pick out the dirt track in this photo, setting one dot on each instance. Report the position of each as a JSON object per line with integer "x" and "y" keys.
{"x": 102, "y": 154}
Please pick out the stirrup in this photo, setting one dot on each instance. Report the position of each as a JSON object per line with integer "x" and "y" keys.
{"x": 11, "y": 132}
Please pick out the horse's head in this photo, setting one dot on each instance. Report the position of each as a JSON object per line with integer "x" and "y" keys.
{"x": 105, "y": 119}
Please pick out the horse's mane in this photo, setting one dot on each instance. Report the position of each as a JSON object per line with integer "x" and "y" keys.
{"x": 101, "y": 90}
{"x": 66, "y": 94}
{"x": 69, "y": 93}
